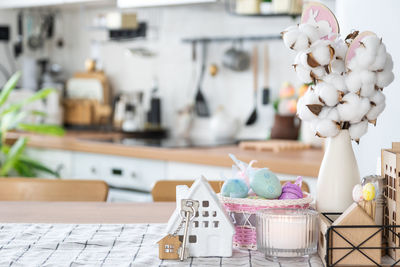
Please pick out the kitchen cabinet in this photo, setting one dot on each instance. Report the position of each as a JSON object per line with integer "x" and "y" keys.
{"x": 119, "y": 172}
{"x": 60, "y": 160}
{"x": 40, "y": 3}
{"x": 149, "y": 3}
{"x": 131, "y": 178}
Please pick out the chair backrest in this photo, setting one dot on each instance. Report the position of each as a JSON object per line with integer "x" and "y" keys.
{"x": 35, "y": 189}
{"x": 165, "y": 190}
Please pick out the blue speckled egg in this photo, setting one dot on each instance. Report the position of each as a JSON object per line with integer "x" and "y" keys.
{"x": 236, "y": 188}
{"x": 265, "y": 184}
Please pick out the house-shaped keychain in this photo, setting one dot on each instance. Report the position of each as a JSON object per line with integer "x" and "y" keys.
{"x": 210, "y": 232}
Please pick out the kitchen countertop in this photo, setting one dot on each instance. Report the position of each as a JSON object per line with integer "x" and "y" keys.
{"x": 294, "y": 162}
{"x": 84, "y": 212}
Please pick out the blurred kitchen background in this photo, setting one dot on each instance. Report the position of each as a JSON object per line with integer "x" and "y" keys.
{"x": 135, "y": 67}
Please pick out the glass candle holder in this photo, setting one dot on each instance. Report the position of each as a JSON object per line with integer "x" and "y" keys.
{"x": 287, "y": 233}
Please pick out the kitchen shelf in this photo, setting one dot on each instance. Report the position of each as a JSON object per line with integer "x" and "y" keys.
{"x": 264, "y": 15}
{"x": 220, "y": 39}
{"x": 230, "y": 7}
{"x": 123, "y": 34}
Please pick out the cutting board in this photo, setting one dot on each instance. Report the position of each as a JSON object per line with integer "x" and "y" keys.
{"x": 274, "y": 145}
{"x": 102, "y": 78}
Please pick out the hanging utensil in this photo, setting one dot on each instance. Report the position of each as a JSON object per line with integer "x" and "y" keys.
{"x": 19, "y": 45}
{"x": 200, "y": 103}
{"x": 253, "y": 116}
{"x": 266, "y": 91}
{"x": 36, "y": 40}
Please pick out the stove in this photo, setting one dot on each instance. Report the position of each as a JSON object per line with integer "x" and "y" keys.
{"x": 165, "y": 142}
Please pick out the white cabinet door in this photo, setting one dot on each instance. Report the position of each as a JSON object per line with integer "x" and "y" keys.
{"x": 41, "y": 3}
{"x": 152, "y": 3}
{"x": 121, "y": 172}
{"x": 28, "y": 3}
{"x": 54, "y": 159}
{"x": 187, "y": 171}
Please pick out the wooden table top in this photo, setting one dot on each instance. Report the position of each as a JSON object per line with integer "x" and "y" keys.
{"x": 292, "y": 162}
{"x": 85, "y": 212}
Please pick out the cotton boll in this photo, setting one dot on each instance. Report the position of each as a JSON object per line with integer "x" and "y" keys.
{"x": 380, "y": 59}
{"x": 353, "y": 108}
{"x": 311, "y": 31}
{"x": 290, "y": 36}
{"x": 294, "y": 39}
{"x": 302, "y": 42}
{"x": 377, "y": 98}
{"x": 368, "y": 80}
{"x": 327, "y": 124}
{"x": 388, "y": 63}
{"x": 368, "y": 77}
{"x": 337, "y": 81}
{"x": 353, "y": 81}
{"x": 340, "y": 49}
{"x": 329, "y": 113}
{"x": 384, "y": 78}
{"x": 367, "y": 90}
{"x": 375, "y": 111}
{"x": 327, "y": 128}
{"x": 353, "y": 65}
{"x": 364, "y": 58}
{"x": 322, "y": 52}
{"x": 327, "y": 93}
{"x": 303, "y": 111}
{"x": 357, "y": 130}
{"x": 371, "y": 43}
{"x": 302, "y": 59}
{"x": 303, "y": 74}
{"x": 319, "y": 72}
{"x": 337, "y": 66}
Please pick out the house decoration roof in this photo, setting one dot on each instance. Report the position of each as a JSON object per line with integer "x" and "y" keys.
{"x": 200, "y": 182}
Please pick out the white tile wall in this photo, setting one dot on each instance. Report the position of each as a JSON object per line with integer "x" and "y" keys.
{"x": 173, "y": 66}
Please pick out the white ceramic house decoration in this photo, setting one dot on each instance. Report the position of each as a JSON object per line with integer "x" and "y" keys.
{"x": 211, "y": 230}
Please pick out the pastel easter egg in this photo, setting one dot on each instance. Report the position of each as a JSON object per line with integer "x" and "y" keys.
{"x": 358, "y": 193}
{"x": 368, "y": 191}
{"x": 291, "y": 191}
{"x": 235, "y": 188}
{"x": 265, "y": 184}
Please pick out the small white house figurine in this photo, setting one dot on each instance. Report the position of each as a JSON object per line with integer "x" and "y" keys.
{"x": 210, "y": 231}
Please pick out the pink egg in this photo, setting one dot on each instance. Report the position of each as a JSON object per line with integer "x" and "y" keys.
{"x": 358, "y": 193}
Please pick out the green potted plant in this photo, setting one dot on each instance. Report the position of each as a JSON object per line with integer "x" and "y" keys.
{"x": 13, "y": 161}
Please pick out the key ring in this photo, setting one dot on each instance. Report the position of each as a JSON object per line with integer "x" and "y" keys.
{"x": 184, "y": 214}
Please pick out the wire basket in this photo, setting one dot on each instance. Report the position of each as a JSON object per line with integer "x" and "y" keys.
{"x": 242, "y": 212}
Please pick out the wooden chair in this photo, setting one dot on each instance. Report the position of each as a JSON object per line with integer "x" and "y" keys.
{"x": 35, "y": 189}
{"x": 165, "y": 190}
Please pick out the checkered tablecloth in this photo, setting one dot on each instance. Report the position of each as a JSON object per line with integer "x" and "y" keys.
{"x": 105, "y": 245}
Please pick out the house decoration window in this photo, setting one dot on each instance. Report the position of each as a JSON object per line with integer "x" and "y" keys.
{"x": 206, "y": 204}
{"x": 196, "y": 224}
{"x": 192, "y": 239}
{"x": 205, "y": 213}
{"x": 205, "y": 224}
{"x": 214, "y": 213}
{"x": 169, "y": 248}
{"x": 215, "y": 224}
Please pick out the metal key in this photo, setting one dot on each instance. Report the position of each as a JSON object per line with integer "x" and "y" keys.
{"x": 189, "y": 208}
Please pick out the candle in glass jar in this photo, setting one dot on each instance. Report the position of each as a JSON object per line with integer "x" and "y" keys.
{"x": 287, "y": 232}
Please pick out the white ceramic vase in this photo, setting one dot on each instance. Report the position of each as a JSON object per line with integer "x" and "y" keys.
{"x": 338, "y": 174}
